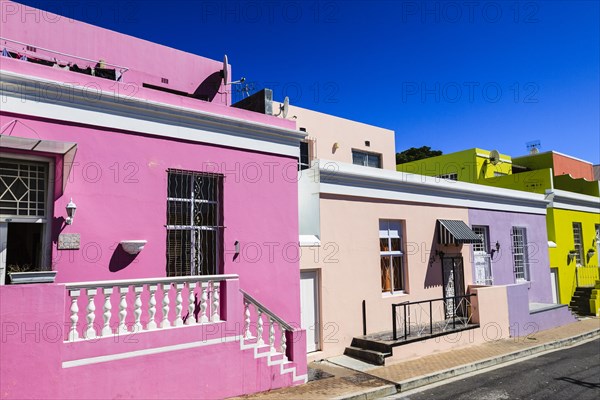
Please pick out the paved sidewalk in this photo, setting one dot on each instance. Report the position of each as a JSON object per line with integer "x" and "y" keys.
{"x": 377, "y": 382}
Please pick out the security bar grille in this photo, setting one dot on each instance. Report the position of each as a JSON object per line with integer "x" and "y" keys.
{"x": 23, "y": 188}
{"x": 519, "y": 250}
{"x": 193, "y": 222}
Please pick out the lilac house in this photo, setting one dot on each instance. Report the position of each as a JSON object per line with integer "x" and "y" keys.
{"x": 155, "y": 224}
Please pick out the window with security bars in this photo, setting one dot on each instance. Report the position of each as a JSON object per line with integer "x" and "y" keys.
{"x": 391, "y": 256}
{"x": 23, "y": 188}
{"x": 578, "y": 241}
{"x": 483, "y": 246}
{"x": 194, "y": 208}
{"x": 519, "y": 250}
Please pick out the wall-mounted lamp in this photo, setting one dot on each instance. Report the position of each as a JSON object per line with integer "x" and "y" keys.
{"x": 571, "y": 256}
{"x": 496, "y": 250}
{"x": 336, "y": 146}
{"x": 71, "y": 208}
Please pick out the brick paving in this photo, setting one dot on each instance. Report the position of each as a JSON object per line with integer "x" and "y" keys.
{"x": 346, "y": 382}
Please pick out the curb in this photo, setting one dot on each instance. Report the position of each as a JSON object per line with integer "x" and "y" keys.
{"x": 424, "y": 380}
{"x": 413, "y": 383}
{"x": 382, "y": 391}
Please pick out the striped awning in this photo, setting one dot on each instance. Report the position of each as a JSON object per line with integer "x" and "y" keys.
{"x": 456, "y": 232}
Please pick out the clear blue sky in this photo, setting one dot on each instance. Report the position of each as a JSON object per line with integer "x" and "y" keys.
{"x": 450, "y": 75}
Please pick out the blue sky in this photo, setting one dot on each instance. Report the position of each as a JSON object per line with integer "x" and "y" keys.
{"x": 446, "y": 74}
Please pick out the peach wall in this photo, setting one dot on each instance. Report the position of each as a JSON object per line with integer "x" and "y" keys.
{"x": 328, "y": 129}
{"x": 349, "y": 264}
{"x": 564, "y": 165}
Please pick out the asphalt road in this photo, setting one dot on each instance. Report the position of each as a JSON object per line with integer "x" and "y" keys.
{"x": 572, "y": 373}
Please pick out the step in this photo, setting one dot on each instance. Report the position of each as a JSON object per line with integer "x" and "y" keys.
{"x": 370, "y": 356}
{"x": 371, "y": 345}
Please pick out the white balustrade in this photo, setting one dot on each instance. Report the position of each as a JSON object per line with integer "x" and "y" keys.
{"x": 215, "y": 303}
{"x": 106, "y": 329}
{"x": 152, "y": 307}
{"x": 172, "y": 287}
{"x": 203, "y": 300}
{"x": 276, "y": 327}
{"x": 90, "y": 332}
{"x": 178, "y": 304}
{"x": 123, "y": 309}
{"x": 191, "y": 303}
{"x": 137, "y": 309}
{"x": 73, "y": 334}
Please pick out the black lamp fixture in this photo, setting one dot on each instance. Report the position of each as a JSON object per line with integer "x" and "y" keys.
{"x": 496, "y": 250}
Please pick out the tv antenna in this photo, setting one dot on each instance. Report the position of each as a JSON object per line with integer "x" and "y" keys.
{"x": 534, "y": 146}
{"x": 284, "y": 108}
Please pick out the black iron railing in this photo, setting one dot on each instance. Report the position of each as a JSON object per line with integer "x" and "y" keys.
{"x": 423, "y": 316}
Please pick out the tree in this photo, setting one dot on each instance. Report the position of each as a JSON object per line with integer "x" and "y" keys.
{"x": 414, "y": 154}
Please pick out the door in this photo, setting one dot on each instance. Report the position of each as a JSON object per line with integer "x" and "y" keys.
{"x": 309, "y": 309}
{"x": 481, "y": 257}
{"x": 554, "y": 284}
{"x": 454, "y": 283}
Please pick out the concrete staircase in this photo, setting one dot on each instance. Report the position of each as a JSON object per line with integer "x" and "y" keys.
{"x": 273, "y": 358}
{"x": 580, "y": 302}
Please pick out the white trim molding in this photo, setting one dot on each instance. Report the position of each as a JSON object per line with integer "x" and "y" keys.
{"x": 24, "y": 94}
{"x": 352, "y": 180}
{"x": 565, "y": 200}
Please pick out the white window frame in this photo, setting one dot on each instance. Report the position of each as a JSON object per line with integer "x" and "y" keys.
{"x": 48, "y": 214}
{"x": 390, "y": 234}
{"x": 578, "y": 244}
{"x": 367, "y": 154}
{"x": 191, "y": 227}
{"x": 519, "y": 251}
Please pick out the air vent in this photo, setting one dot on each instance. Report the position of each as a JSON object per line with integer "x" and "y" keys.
{"x": 32, "y": 49}
{"x": 368, "y": 143}
{"x": 164, "y": 80}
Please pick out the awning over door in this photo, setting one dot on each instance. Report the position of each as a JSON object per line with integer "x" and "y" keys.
{"x": 66, "y": 149}
{"x": 456, "y": 232}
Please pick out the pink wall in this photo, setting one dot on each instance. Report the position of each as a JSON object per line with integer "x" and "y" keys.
{"x": 31, "y": 321}
{"x": 119, "y": 184}
{"x": 148, "y": 62}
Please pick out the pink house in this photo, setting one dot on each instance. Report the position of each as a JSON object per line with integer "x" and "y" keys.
{"x": 163, "y": 221}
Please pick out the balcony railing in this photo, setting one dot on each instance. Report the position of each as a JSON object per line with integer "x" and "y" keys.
{"x": 586, "y": 276}
{"x": 278, "y": 329}
{"x": 196, "y": 301}
{"x": 429, "y": 317}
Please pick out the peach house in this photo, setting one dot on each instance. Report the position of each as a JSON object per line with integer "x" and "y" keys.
{"x": 388, "y": 263}
{"x": 133, "y": 201}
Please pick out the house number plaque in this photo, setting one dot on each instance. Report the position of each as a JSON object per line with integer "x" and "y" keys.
{"x": 69, "y": 241}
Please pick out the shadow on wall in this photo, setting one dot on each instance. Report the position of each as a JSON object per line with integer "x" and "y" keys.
{"x": 209, "y": 88}
{"x": 120, "y": 259}
{"x": 433, "y": 277}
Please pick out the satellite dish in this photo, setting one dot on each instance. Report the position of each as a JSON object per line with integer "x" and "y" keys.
{"x": 494, "y": 157}
{"x": 224, "y": 71}
{"x": 286, "y": 107}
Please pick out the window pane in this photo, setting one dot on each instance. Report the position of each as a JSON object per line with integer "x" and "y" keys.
{"x": 397, "y": 272}
{"x": 359, "y": 158}
{"x": 178, "y": 252}
{"x": 206, "y": 187}
{"x": 206, "y": 252}
{"x": 384, "y": 244}
{"x": 205, "y": 214}
{"x": 179, "y": 185}
{"x": 178, "y": 213}
{"x": 374, "y": 160}
{"x": 386, "y": 281}
{"x": 396, "y": 243}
